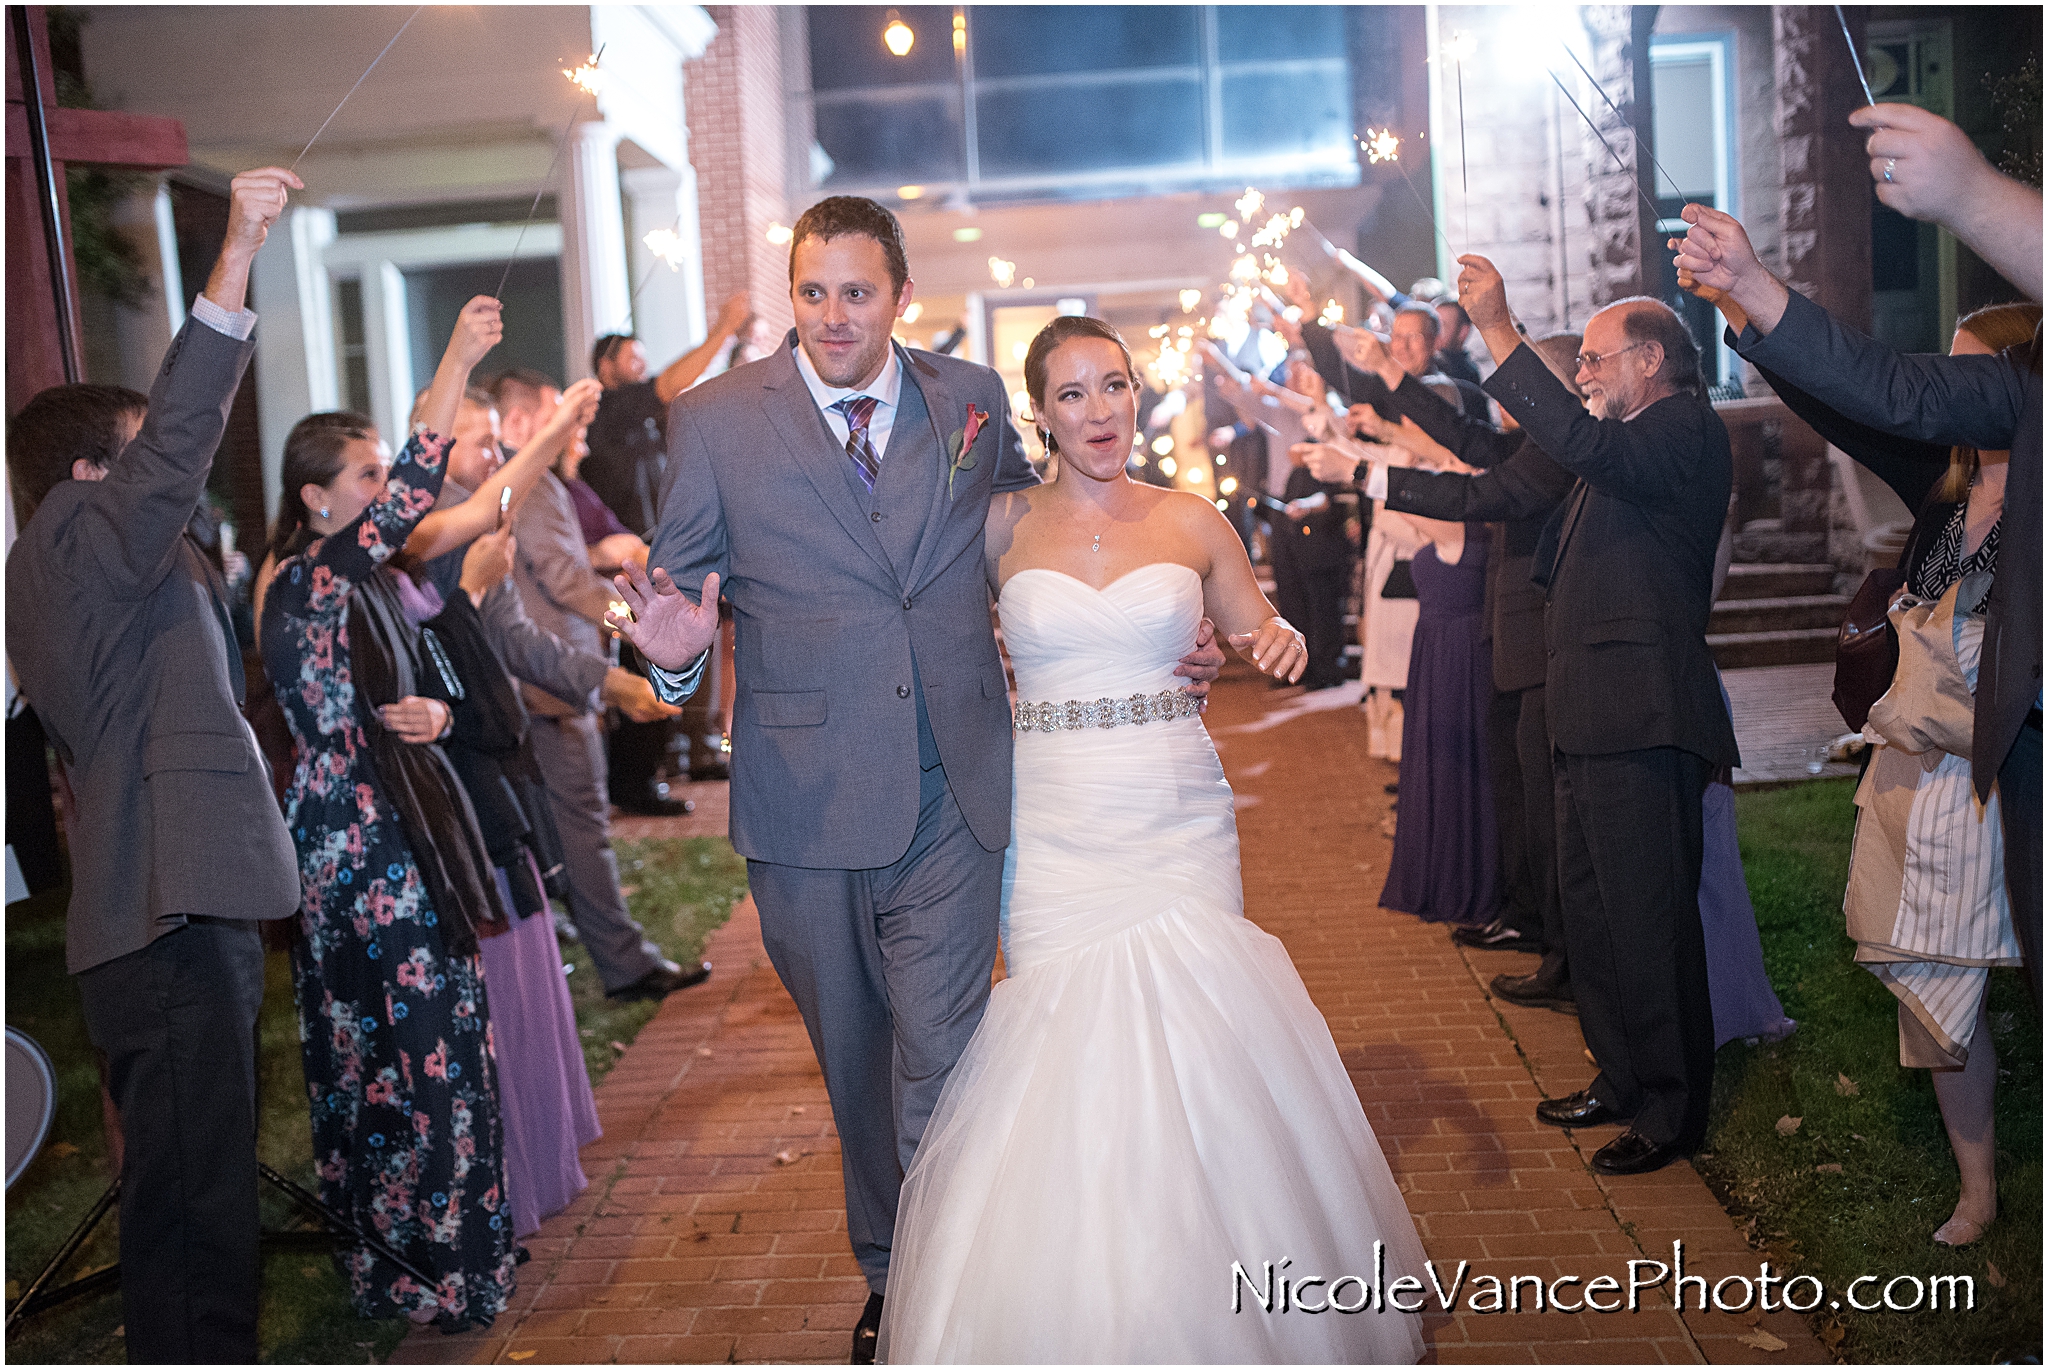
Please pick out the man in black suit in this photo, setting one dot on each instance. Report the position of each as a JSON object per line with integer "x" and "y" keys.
{"x": 119, "y": 630}
{"x": 1632, "y": 699}
{"x": 1518, "y": 489}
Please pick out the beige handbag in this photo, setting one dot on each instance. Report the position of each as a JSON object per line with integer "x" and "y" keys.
{"x": 1931, "y": 705}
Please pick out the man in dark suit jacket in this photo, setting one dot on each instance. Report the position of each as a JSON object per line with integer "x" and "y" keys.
{"x": 1992, "y": 403}
{"x": 1632, "y": 699}
{"x": 1518, "y": 489}
{"x": 119, "y": 629}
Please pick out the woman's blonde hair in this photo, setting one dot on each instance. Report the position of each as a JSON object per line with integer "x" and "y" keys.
{"x": 1997, "y": 326}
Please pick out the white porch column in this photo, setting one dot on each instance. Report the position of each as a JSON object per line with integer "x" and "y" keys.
{"x": 595, "y": 287}
{"x": 668, "y": 313}
{"x": 295, "y": 364}
{"x": 387, "y": 345}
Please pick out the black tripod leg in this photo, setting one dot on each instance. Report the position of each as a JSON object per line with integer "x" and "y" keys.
{"x": 342, "y": 1227}
{"x": 31, "y": 1297}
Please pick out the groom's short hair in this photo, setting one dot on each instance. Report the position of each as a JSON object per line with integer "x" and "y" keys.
{"x": 842, "y": 214}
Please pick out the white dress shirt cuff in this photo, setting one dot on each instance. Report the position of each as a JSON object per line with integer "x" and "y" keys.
{"x": 673, "y": 687}
{"x": 1376, "y": 483}
{"x": 238, "y": 324}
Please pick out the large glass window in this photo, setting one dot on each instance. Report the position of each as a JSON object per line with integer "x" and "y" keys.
{"x": 1029, "y": 102}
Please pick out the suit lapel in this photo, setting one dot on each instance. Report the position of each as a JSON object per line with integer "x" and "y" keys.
{"x": 794, "y": 415}
{"x": 939, "y": 410}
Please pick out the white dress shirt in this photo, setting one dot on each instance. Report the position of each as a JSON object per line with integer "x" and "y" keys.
{"x": 886, "y": 389}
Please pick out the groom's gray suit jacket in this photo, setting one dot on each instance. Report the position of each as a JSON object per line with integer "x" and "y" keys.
{"x": 863, "y": 635}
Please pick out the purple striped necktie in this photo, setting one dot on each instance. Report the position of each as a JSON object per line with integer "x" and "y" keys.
{"x": 857, "y": 411}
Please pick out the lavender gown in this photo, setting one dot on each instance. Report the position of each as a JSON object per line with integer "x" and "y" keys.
{"x": 1446, "y": 853}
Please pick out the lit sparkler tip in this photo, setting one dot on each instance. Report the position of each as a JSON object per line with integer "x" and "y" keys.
{"x": 1188, "y": 300}
{"x": 666, "y": 244}
{"x": 588, "y": 77}
{"x": 1460, "y": 46}
{"x": 1382, "y": 146}
{"x": 1251, "y": 202}
{"x": 1001, "y": 272}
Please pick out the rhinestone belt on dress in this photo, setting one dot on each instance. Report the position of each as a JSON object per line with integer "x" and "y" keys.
{"x": 1106, "y": 712}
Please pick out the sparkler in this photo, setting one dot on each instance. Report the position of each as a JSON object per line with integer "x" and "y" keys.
{"x": 1461, "y": 46}
{"x": 589, "y": 84}
{"x": 1002, "y": 272}
{"x": 1655, "y": 213}
{"x": 366, "y": 76}
{"x": 1383, "y": 146}
{"x": 1854, "y": 55}
{"x": 1601, "y": 91}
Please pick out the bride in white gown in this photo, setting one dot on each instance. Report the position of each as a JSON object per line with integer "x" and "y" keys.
{"x": 1151, "y": 1098}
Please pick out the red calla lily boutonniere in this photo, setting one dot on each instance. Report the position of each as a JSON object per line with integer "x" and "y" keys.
{"x": 961, "y": 455}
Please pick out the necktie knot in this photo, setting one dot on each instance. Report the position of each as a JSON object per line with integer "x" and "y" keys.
{"x": 857, "y": 410}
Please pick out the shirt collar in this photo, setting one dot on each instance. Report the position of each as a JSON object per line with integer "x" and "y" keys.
{"x": 886, "y": 388}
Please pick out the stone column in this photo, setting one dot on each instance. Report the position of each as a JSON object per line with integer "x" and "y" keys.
{"x": 1824, "y": 185}
{"x": 595, "y": 287}
{"x": 1619, "y": 59}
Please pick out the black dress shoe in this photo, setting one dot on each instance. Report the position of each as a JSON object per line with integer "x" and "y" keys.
{"x": 1530, "y": 992}
{"x": 1634, "y": 1154}
{"x": 867, "y": 1331}
{"x": 1495, "y": 936}
{"x": 664, "y": 980}
{"x": 1577, "y": 1110}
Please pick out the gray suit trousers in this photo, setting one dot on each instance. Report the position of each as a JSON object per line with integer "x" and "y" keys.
{"x": 890, "y": 968}
{"x": 571, "y": 757}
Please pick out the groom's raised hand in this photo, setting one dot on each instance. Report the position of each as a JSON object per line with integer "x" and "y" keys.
{"x": 1204, "y": 663}
{"x": 659, "y": 619}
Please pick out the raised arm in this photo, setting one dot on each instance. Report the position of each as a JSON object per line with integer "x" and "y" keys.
{"x": 680, "y": 374}
{"x": 457, "y": 525}
{"x": 1926, "y": 168}
{"x": 137, "y": 514}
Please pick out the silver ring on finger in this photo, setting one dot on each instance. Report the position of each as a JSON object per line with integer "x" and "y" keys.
{"x": 1890, "y": 165}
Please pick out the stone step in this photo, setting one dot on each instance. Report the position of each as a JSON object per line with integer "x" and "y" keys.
{"x": 1776, "y": 579}
{"x": 1787, "y": 647}
{"x": 1778, "y": 614}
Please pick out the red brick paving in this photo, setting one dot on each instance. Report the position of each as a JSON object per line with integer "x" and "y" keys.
{"x": 713, "y": 1229}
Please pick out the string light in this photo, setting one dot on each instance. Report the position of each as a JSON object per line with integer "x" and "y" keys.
{"x": 897, "y": 36}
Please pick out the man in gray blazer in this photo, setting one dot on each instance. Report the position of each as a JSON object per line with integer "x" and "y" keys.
{"x": 837, "y": 490}
{"x": 118, "y": 628}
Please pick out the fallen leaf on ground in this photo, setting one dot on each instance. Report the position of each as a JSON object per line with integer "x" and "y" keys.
{"x": 1831, "y": 1168}
{"x": 1832, "y": 1335}
{"x": 796, "y": 1108}
{"x": 619, "y": 1048}
{"x": 703, "y": 1051}
{"x": 788, "y": 1157}
{"x": 1788, "y": 1125}
{"x": 1846, "y": 1087}
{"x": 1857, "y": 1136}
{"x": 1763, "y": 1341}
{"x": 1994, "y": 1274}
{"x": 523, "y": 1355}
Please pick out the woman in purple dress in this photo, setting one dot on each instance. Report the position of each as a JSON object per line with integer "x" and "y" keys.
{"x": 1445, "y": 864}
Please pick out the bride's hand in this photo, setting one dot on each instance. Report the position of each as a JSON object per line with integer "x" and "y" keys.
{"x": 1204, "y": 663}
{"x": 1276, "y": 649}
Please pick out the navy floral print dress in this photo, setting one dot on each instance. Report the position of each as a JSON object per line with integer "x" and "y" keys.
{"x": 394, "y": 1030}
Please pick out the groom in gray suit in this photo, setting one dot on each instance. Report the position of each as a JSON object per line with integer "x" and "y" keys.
{"x": 837, "y": 490}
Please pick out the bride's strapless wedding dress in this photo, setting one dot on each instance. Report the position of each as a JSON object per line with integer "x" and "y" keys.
{"x": 1151, "y": 1096}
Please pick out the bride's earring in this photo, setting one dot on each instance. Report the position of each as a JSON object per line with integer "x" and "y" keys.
{"x": 323, "y": 511}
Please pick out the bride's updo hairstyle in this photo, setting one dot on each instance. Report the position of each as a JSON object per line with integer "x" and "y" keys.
{"x": 1061, "y": 330}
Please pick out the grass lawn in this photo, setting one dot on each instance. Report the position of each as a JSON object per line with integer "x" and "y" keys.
{"x": 680, "y": 889}
{"x": 1859, "y": 1187}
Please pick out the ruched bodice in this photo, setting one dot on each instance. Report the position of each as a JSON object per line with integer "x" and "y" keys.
{"x": 1068, "y": 640}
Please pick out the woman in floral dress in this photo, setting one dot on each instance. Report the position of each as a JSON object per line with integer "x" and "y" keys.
{"x": 392, "y": 1015}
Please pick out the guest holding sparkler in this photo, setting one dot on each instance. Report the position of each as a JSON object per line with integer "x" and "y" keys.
{"x": 1632, "y": 700}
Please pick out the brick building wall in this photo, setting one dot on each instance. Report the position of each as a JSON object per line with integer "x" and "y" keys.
{"x": 740, "y": 144}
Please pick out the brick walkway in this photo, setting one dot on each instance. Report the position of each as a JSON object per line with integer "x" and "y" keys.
{"x": 713, "y": 1229}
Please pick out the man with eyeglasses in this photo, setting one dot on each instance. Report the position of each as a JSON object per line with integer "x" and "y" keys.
{"x": 1633, "y": 702}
